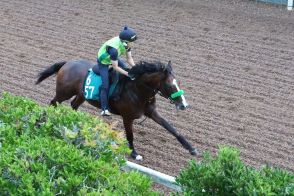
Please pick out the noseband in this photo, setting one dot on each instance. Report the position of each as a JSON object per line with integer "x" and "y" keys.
{"x": 171, "y": 98}
{"x": 156, "y": 91}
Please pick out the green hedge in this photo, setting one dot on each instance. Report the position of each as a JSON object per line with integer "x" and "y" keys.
{"x": 49, "y": 151}
{"x": 227, "y": 175}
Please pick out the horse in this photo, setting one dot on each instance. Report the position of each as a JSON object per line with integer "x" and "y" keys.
{"x": 137, "y": 97}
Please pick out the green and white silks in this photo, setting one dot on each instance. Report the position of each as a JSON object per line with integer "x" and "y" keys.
{"x": 116, "y": 43}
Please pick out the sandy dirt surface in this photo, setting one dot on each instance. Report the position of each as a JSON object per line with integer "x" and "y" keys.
{"x": 234, "y": 60}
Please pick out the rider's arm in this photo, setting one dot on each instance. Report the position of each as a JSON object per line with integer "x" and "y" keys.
{"x": 114, "y": 61}
{"x": 130, "y": 59}
{"x": 117, "y": 68}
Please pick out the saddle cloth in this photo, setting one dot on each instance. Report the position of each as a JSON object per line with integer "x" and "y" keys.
{"x": 92, "y": 86}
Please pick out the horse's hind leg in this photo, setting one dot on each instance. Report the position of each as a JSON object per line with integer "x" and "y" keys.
{"x": 57, "y": 99}
{"x": 78, "y": 100}
{"x": 60, "y": 96}
{"x": 53, "y": 102}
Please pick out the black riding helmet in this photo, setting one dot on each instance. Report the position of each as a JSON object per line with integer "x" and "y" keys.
{"x": 128, "y": 35}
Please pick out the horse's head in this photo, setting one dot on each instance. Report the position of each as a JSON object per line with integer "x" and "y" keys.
{"x": 170, "y": 89}
{"x": 158, "y": 77}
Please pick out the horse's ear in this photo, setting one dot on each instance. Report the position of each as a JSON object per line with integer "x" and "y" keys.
{"x": 169, "y": 67}
{"x": 163, "y": 67}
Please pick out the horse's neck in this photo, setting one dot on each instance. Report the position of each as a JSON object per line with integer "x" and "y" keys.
{"x": 148, "y": 86}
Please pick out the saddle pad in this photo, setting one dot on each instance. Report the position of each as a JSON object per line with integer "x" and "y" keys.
{"x": 92, "y": 86}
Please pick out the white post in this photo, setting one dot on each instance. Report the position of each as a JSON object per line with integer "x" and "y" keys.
{"x": 158, "y": 177}
{"x": 290, "y": 4}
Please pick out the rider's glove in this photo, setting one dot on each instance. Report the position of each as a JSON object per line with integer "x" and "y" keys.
{"x": 131, "y": 76}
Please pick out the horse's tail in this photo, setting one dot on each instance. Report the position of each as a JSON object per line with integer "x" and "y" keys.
{"x": 53, "y": 69}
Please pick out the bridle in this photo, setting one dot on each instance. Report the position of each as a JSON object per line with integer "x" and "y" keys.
{"x": 154, "y": 91}
{"x": 171, "y": 97}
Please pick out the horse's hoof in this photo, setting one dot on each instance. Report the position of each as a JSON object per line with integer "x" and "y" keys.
{"x": 194, "y": 151}
{"x": 135, "y": 156}
{"x": 139, "y": 158}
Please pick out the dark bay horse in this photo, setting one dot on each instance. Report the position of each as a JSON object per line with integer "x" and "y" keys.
{"x": 137, "y": 97}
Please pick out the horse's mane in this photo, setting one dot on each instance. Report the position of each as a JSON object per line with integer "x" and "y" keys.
{"x": 149, "y": 67}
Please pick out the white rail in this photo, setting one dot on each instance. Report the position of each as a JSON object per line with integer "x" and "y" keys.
{"x": 290, "y": 4}
{"x": 161, "y": 178}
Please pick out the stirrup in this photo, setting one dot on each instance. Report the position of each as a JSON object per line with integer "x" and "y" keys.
{"x": 105, "y": 113}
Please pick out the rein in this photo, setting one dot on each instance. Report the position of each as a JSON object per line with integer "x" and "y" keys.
{"x": 170, "y": 97}
{"x": 155, "y": 91}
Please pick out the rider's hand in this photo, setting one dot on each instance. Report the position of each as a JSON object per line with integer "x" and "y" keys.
{"x": 131, "y": 76}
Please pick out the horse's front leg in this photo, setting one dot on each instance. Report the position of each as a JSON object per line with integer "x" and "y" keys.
{"x": 154, "y": 115}
{"x": 128, "y": 124}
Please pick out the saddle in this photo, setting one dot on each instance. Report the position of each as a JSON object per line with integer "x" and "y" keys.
{"x": 93, "y": 83}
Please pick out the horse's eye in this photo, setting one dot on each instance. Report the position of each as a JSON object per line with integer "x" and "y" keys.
{"x": 168, "y": 88}
{"x": 171, "y": 88}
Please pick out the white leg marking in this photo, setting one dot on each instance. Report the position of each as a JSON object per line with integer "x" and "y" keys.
{"x": 139, "y": 158}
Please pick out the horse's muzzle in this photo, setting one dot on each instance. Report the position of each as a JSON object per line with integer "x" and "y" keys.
{"x": 181, "y": 106}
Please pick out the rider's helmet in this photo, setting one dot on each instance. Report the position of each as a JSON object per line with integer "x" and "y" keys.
{"x": 128, "y": 35}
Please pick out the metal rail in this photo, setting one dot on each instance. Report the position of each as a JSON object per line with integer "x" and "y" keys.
{"x": 161, "y": 178}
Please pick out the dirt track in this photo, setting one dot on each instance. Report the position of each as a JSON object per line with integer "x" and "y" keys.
{"x": 234, "y": 61}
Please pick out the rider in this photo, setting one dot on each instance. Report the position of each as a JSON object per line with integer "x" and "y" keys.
{"x": 109, "y": 54}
